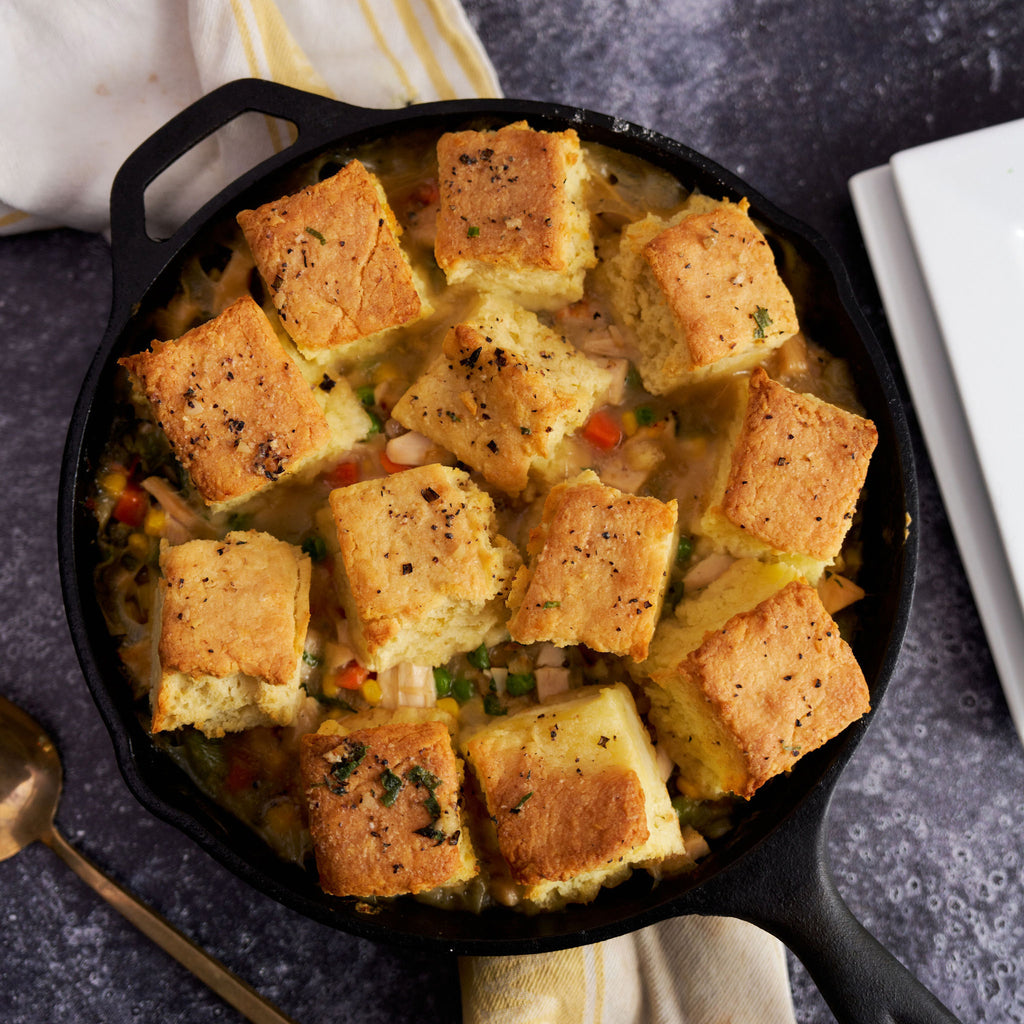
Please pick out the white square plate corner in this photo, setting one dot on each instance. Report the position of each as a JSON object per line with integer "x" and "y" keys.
{"x": 944, "y": 229}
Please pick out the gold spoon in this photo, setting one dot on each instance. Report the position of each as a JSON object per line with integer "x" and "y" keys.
{"x": 30, "y": 784}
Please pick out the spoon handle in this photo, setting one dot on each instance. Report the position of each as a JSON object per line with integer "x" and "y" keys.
{"x": 228, "y": 986}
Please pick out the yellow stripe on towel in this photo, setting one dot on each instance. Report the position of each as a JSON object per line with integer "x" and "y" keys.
{"x": 475, "y": 70}
{"x": 414, "y": 30}
{"x": 286, "y": 59}
{"x": 382, "y": 43}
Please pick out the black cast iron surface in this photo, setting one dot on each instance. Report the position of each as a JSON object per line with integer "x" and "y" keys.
{"x": 925, "y": 823}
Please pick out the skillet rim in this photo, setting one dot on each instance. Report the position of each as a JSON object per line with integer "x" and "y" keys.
{"x": 407, "y": 923}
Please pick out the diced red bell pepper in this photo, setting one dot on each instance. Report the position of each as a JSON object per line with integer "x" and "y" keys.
{"x": 351, "y": 676}
{"x": 131, "y": 506}
{"x": 602, "y": 430}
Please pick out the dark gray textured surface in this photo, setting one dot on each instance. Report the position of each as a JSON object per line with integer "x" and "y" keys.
{"x": 926, "y": 825}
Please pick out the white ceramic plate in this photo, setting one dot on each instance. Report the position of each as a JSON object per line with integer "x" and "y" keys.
{"x": 959, "y": 206}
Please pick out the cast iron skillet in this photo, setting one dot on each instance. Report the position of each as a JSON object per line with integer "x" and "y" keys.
{"x": 772, "y": 869}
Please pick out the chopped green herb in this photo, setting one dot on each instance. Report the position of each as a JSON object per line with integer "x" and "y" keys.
{"x": 463, "y": 689}
{"x": 684, "y": 551}
{"x": 365, "y": 395}
{"x": 453, "y": 417}
{"x": 316, "y": 234}
{"x": 525, "y": 431}
{"x": 761, "y": 321}
{"x": 342, "y": 769}
{"x": 519, "y": 683}
{"x": 443, "y": 681}
{"x": 552, "y": 604}
{"x": 493, "y": 705}
{"x": 480, "y": 658}
{"x": 312, "y": 659}
{"x": 472, "y": 231}
{"x": 392, "y": 784}
{"x": 419, "y": 776}
{"x": 519, "y": 806}
{"x": 376, "y": 426}
{"x": 316, "y": 547}
{"x": 644, "y": 415}
{"x": 431, "y": 832}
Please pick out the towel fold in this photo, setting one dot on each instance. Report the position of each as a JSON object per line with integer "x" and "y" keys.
{"x": 92, "y": 81}
{"x": 691, "y": 970}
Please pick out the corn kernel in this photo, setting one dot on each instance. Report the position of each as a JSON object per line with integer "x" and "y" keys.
{"x": 629, "y": 422}
{"x": 449, "y": 705}
{"x": 385, "y": 372}
{"x": 113, "y": 483}
{"x": 329, "y": 687}
{"x": 138, "y": 545}
{"x": 155, "y": 522}
{"x": 371, "y": 691}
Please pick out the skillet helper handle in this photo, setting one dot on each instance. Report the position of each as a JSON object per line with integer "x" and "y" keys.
{"x": 228, "y": 986}
{"x": 137, "y": 257}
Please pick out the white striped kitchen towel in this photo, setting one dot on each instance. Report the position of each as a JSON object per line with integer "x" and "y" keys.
{"x": 85, "y": 83}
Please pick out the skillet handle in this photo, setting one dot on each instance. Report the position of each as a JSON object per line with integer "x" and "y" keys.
{"x": 786, "y": 886}
{"x": 137, "y": 257}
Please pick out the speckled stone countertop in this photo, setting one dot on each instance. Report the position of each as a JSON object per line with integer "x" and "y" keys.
{"x": 926, "y": 824}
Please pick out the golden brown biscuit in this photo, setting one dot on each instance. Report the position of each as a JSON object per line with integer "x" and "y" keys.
{"x": 331, "y": 259}
{"x": 384, "y": 810}
{"x": 503, "y": 394}
{"x": 700, "y": 293}
{"x": 599, "y": 567}
{"x": 236, "y": 409}
{"x": 791, "y": 479}
{"x": 231, "y": 624}
{"x": 421, "y": 569}
{"x": 512, "y": 213}
{"x": 575, "y": 795}
{"x": 738, "y": 696}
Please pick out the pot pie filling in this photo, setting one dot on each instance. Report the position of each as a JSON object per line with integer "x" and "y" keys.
{"x": 477, "y": 525}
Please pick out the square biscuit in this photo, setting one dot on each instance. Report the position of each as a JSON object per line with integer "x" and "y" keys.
{"x": 331, "y": 259}
{"x": 599, "y": 567}
{"x": 238, "y": 413}
{"x": 384, "y": 810}
{"x": 700, "y": 293}
{"x": 503, "y": 394}
{"x": 513, "y": 216}
{"x": 231, "y": 618}
{"x": 790, "y": 480}
{"x": 421, "y": 571}
{"x": 575, "y": 796}
{"x": 747, "y": 678}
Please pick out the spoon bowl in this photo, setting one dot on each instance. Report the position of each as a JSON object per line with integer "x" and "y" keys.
{"x": 30, "y": 786}
{"x": 30, "y": 780}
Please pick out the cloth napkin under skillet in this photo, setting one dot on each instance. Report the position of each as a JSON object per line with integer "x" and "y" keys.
{"x": 84, "y": 84}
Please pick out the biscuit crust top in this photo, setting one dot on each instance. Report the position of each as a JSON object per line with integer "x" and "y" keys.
{"x": 236, "y": 605}
{"x": 797, "y": 469}
{"x": 331, "y": 259}
{"x": 598, "y": 815}
{"x": 782, "y": 680}
{"x": 383, "y": 808}
{"x": 235, "y": 408}
{"x": 501, "y": 397}
{"x": 415, "y": 541}
{"x": 718, "y": 275}
{"x": 600, "y": 569}
{"x": 503, "y": 198}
